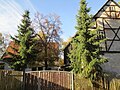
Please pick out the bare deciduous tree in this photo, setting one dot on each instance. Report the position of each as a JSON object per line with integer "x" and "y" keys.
{"x": 49, "y": 30}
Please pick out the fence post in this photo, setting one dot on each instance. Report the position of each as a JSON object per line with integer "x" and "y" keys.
{"x": 72, "y": 81}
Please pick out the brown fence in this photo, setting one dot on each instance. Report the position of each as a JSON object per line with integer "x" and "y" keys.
{"x": 53, "y": 80}
{"x": 49, "y": 80}
{"x": 10, "y": 80}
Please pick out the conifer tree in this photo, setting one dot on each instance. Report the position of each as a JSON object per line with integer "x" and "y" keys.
{"x": 26, "y": 42}
{"x": 85, "y": 54}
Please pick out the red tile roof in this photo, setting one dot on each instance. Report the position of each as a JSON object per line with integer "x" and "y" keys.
{"x": 10, "y": 49}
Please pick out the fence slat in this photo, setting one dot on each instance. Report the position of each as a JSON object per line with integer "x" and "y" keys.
{"x": 10, "y": 80}
{"x": 50, "y": 80}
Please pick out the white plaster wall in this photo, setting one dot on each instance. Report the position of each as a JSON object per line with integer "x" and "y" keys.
{"x": 113, "y": 64}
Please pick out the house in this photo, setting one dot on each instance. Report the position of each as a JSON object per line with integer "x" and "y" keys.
{"x": 11, "y": 50}
{"x": 4, "y": 65}
{"x": 6, "y": 58}
{"x": 52, "y": 54}
{"x": 36, "y": 65}
{"x": 108, "y": 21}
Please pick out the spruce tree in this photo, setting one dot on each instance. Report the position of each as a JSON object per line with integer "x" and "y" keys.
{"x": 85, "y": 54}
{"x": 26, "y": 42}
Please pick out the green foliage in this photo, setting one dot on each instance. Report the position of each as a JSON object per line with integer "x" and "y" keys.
{"x": 52, "y": 56}
{"x": 85, "y": 54}
{"x": 118, "y": 2}
{"x": 26, "y": 42}
{"x": 1, "y": 39}
{"x": 2, "y": 45}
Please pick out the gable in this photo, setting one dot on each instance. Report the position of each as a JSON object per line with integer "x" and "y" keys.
{"x": 10, "y": 50}
{"x": 110, "y": 9}
{"x": 108, "y": 21}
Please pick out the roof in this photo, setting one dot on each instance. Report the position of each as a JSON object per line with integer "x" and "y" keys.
{"x": 10, "y": 49}
{"x": 54, "y": 44}
{"x": 12, "y": 45}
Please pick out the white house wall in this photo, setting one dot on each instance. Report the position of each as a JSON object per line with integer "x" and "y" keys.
{"x": 114, "y": 23}
{"x": 113, "y": 65}
{"x": 107, "y": 20}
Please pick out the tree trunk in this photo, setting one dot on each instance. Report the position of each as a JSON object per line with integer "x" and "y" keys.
{"x": 46, "y": 64}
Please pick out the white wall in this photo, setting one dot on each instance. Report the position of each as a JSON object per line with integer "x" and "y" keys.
{"x": 113, "y": 64}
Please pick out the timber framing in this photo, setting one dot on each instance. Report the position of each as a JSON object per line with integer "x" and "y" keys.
{"x": 104, "y": 6}
{"x": 108, "y": 19}
{"x": 113, "y": 14}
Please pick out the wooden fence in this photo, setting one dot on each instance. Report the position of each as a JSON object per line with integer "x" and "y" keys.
{"x": 53, "y": 80}
{"x": 49, "y": 80}
{"x": 10, "y": 80}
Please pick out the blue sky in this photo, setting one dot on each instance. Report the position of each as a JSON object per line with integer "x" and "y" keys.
{"x": 11, "y": 11}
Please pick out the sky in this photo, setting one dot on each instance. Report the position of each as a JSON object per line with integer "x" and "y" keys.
{"x": 11, "y": 13}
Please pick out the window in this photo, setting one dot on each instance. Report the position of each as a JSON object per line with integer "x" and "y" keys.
{"x": 101, "y": 34}
{"x": 112, "y": 8}
{"x": 113, "y": 14}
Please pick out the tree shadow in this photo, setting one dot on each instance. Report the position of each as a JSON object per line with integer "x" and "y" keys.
{"x": 10, "y": 81}
{"x": 36, "y": 83}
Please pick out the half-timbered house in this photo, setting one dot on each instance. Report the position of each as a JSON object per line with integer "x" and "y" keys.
{"x": 108, "y": 21}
